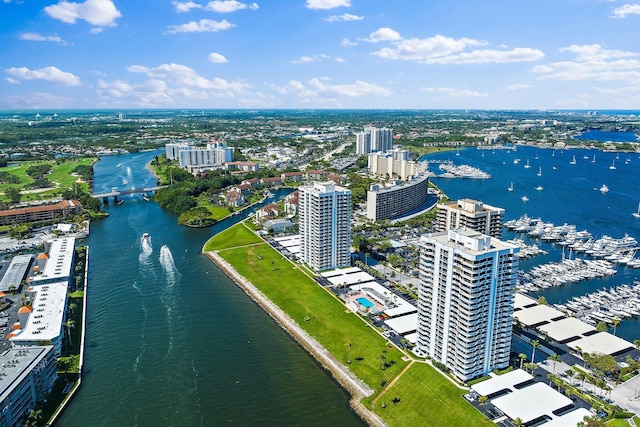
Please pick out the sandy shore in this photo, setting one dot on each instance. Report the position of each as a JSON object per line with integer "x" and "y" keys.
{"x": 356, "y": 388}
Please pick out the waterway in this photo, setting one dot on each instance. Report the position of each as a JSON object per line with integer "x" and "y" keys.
{"x": 608, "y": 136}
{"x": 570, "y": 195}
{"x": 172, "y": 341}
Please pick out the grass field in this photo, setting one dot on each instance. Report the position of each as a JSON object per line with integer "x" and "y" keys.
{"x": 60, "y": 177}
{"x": 237, "y": 235}
{"x": 330, "y": 322}
{"x": 427, "y": 398}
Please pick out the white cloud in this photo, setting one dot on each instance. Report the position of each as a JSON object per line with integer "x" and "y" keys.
{"x": 383, "y": 34}
{"x": 228, "y": 6}
{"x": 307, "y": 59}
{"x": 341, "y": 60}
{"x": 36, "y": 37}
{"x": 347, "y": 42}
{"x": 440, "y": 49}
{"x": 626, "y": 9}
{"x": 201, "y": 26}
{"x": 217, "y": 58}
{"x": 167, "y": 85}
{"x": 327, "y": 4}
{"x": 102, "y": 13}
{"x": 454, "y": 93}
{"x": 49, "y": 74}
{"x": 186, "y": 77}
{"x": 592, "y": 62}
{"x": 12, "y": 81}
{"x": 37, "y": 100}
{"x": 519, "y": 86}
{"x": 344, "y": 17}
{"x": 185, "y": 6}
{"x": 318, "y": 90}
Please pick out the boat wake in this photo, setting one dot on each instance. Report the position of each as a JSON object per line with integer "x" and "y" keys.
{"x": 146, "y": 249}
{"x": 142, "y": 340}
{"x": 168, "y": 300}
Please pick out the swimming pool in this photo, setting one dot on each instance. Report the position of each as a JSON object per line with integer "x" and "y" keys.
{"x": 365, "y": 302}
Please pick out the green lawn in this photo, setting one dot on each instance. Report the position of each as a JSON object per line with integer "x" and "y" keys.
{"x": 60, "y": 177}
{"x": 427, "y": 399}
{"x": 330, "y": 322}
{"x": 619, "y": 423}
{"x": 238, "y": 235}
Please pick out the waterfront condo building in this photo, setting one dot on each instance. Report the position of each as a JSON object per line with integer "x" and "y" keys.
{"x": 470, "y": 214}
{"x": 373, "y": 139}
{"x": 324, "y": 222}
{"x": 465, "y": 301}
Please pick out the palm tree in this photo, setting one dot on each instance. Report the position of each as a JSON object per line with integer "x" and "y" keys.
{"x": 70, "y": 324}
{"x": 522, "y": 357}
{"x": 534, "y": 344}
{"x": 636, "y": 343}
{"x": 615, "y": 322}
{"x": 518, "y": 422}
{"x": 581, "y": 376}
{"x": 555, "y": 359}
{"x": 570, "y": 373}
{"x": 531, "y": 366}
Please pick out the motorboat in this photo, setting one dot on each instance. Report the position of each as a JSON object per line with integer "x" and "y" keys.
{"x": 525, "y": 199}
{"x": 145, "y": 236}
{"x": 604, "y": 189}
{"x": 539, "y": 188}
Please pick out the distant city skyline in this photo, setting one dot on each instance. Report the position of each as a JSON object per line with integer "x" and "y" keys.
{"x": 578, "y": 54}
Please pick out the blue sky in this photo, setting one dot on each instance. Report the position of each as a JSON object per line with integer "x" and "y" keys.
{"x": 501, "y": 54}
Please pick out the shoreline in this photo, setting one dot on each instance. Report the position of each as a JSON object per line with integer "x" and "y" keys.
{"x": 340, "y": 373}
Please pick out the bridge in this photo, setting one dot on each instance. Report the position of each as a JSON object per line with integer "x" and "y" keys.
{"x": 115, "y": 193}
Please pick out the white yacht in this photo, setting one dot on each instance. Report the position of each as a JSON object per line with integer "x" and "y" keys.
{"x": 525, "y": 199}
{"x": 539, "y": 188}
{"x": 604, "y": 189}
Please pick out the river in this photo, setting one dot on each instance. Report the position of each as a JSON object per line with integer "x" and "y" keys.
{"x": 172, "y": 341}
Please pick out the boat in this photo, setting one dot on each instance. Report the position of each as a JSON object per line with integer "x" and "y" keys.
{"x": 539, "y": 188}
{"x": 121, "y": 201}
{"x": 540, "y": 171}
{"x": 555, "y": 167}
{"x": 573, "y": 161}
{"x": 458, "y": 153}
{"x": 604, "y": 189}
{"x": 585, "y": 157}
{"x": 613, "y": 165}
{"x": 527, "y": 166}
{"x": 516, "y": 161}
{"x": 511, "y": 189}
{"x": 525, "y": 199}
{"x": 145, "y": 197}
{"x": 145, "y": 236}
{"x": 594, "y": 159}
{"x": 637, "y": 214}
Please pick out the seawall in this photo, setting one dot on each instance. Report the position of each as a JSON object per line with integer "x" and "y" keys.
{"x": 354, "y": 386}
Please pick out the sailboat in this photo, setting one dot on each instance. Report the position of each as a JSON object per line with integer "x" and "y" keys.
{"x": 573, "y": 161}
{"x": 510, "y": 187}
{"x": 527, "y": 166}
{"x": 613, "y": 165}
{"x": 594, "y": 159}
{"x": 553, "y": 153}
{"x": 637, "y": 214}
{"x": 540, "y": 171}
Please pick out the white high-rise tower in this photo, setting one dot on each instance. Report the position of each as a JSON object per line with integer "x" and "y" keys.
{"x": 465, "y": 301}
{"x": 324, "y": 212}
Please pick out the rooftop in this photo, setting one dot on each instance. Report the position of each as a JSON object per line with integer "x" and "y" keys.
{"x": 602, "y": 342}
{"x": 520, "y": 403}
{"x": 45, "y": 321}
{"x": 501, "y": 382}
{"x": 17, "y": 363}
{"x": 58, "y": 266}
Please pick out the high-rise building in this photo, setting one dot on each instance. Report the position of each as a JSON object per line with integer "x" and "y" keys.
{"x": 373, "y": 139}
{"x": 215, "y": 154}
{"x": 465, "y": 301}
{"x": 384, "y": 165}
{"x": 363, "y": 143}
{"x": 381, "y": 138}
{"x": 470, "y": 214}
{"x": 324, "y": 218}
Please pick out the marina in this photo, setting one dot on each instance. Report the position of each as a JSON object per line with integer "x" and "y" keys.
{"x": 603, "y": 223}
{"x": 605, "y": 305}
{"x": 461, "y": 171}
